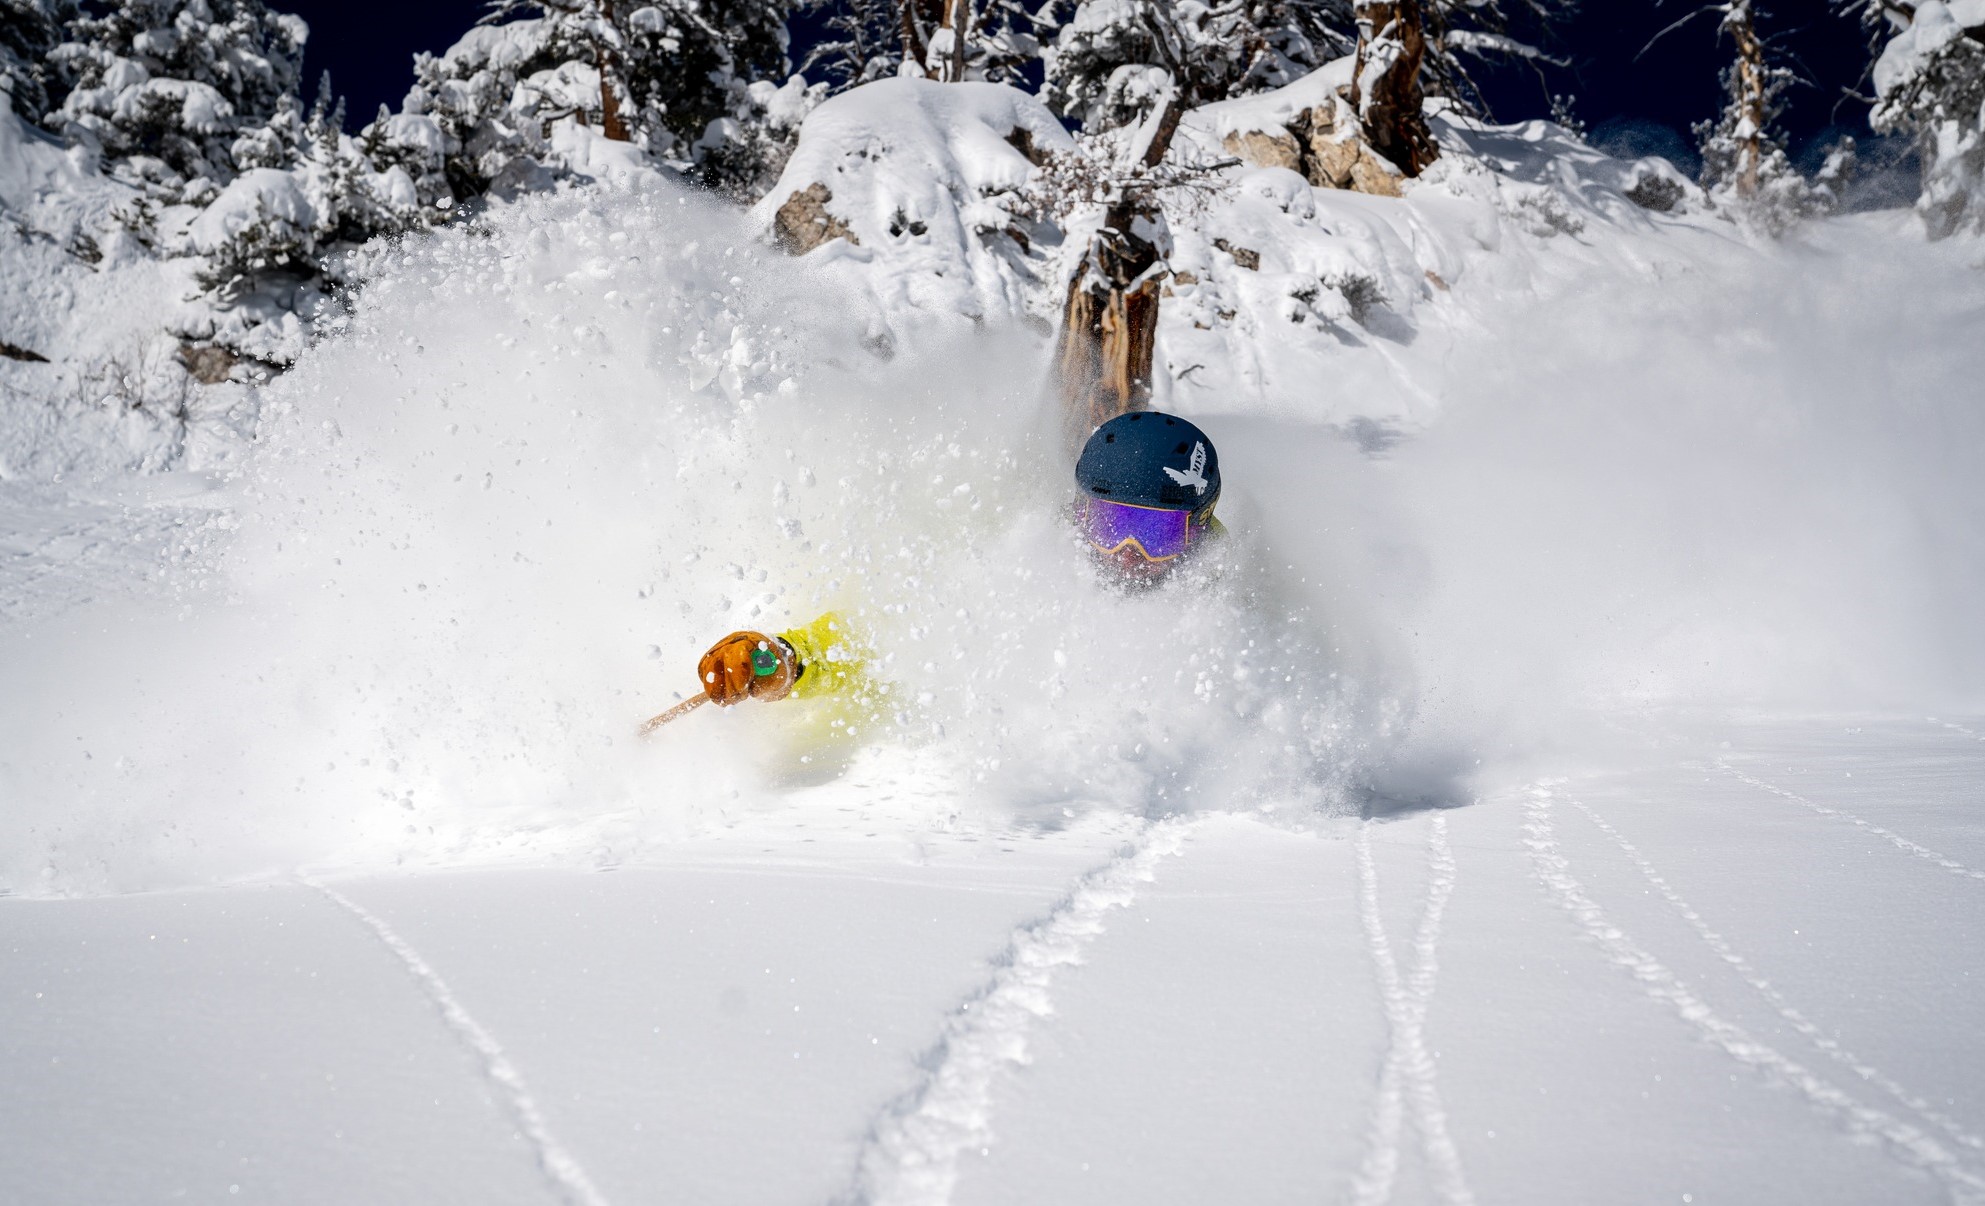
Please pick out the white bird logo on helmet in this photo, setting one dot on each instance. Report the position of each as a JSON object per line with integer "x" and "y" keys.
{"x": 1191, "y": 475}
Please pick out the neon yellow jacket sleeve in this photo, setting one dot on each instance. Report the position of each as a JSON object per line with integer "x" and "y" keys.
{"x": 835, "y": 659}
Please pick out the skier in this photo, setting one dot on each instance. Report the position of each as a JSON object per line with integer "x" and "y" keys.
{"x": 1146, "y": 485}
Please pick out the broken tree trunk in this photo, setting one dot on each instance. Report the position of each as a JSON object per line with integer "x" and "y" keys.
{"x": 1385, "y": 82}
{"x": 1109, "y": 327}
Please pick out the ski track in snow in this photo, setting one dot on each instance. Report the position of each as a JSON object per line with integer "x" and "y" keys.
{"x": 1863, "y": 1070}
{"x": 567, "y": 1178}
{"x": 1900, "y": 842}
{"x": 1409, "y": 1075}
{"x": 1903, "y": 1142}
{"x": 910, "y": 1156}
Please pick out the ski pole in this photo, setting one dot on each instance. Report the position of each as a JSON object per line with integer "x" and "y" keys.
{"x": 682, "y": 709}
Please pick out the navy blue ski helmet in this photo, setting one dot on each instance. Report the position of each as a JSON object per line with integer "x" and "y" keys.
{"x": 1150, "y": 459}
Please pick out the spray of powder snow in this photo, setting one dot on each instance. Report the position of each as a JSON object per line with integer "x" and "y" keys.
{"x": 1757, "y": 481}
{"x": 494, "y": 523}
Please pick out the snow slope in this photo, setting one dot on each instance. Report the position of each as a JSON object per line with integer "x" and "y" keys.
{"x": 1537, "y": 797}
{"x": 106, "y": 396}
{"x": 1659, "y": 980}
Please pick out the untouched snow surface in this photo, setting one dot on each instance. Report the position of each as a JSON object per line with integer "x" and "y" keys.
{"x": 1564, "y": 786}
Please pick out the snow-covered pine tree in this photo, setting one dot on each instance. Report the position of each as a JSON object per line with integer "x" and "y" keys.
{"x": 708, "y": 83}
{"x": 1101, "y": 65}
{"x": 409, "y": 154}
{"x": 1930, "y": 84}
{"x": 168, "y": 88}
{"x": 675, "y": 78}
{"x": 271, "y": 242}
{"x": 1744, "y": 165}
{"x": 29, "y": 29}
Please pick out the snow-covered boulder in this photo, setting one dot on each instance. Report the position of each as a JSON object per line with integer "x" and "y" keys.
{"x": 1306, "y": 127}
{"x": 918, "y": 188}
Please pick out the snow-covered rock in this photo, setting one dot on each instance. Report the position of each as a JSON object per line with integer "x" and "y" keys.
{"x": 1307, "y": 126}
{"x": 920, "y": 185}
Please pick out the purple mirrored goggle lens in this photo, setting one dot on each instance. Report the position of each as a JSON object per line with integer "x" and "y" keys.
{"x": 1159, "y": 535}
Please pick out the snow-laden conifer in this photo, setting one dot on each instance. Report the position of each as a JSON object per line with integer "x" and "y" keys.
{"x": 307, "y": 191}
{"x": 1744, "y": 165}
{"x": 172, "y": 90}
{"x": 1930, "y": 84}
{"x": 29, "y": 29}
{"x": 1112, "y": 59}
{"x": 681, "y": 80}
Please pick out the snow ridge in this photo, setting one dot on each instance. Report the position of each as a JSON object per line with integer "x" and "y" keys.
{"x": 567, "y": 1178}
{"x": 1904, "y": 1143}
{"x": 1409, "y": 1075}
{"x": 1901, "y": 843}
{"x": 910, "y": 1156}
{"x": 1798, "y": 1021}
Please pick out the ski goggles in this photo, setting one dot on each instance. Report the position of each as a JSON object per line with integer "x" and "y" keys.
{"x": 1158, "y": 534}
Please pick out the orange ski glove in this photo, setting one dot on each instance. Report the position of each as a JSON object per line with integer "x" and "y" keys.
{"x": 747, "y": 665}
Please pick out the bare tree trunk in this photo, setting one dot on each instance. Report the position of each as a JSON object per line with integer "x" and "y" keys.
{"x": 916, "y": 17}
{"x": 608, "y": 64}
{"x": 1109, "y": 327}
{"x": 1385, "y": 82}
{"x": 948, "y": 47}
{"x": 1738, "y": 23}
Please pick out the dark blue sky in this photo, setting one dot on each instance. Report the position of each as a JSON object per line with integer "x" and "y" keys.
{"x": 1641, "y": 103}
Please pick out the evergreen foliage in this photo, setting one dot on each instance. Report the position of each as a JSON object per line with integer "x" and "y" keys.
{"x": 171, "y": 90}
{"x": 1745, "y": 168}
{"x": 1930, "y": 85}
{"x": 1103, "y": 66}
{"x": 29, "y": 29}
{"x": 874, "y": 39}
{"x": 863, "y": 42}
{"x": 678, "y": 79}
